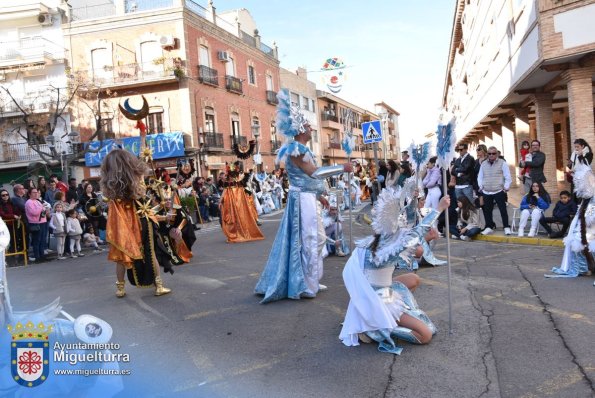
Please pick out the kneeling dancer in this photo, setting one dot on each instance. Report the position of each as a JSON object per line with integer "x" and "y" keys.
{"x": 381, "y": 308}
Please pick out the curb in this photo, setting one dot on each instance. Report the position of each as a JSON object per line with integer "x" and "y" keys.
{"x": 521, "y": 241}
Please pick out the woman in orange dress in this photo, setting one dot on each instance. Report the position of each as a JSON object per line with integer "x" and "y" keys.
{"x": 130, "y": 231}
{"x": 238, "y": 213}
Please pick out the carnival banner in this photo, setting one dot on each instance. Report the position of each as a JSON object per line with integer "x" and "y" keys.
{"x": 165, "y": 145}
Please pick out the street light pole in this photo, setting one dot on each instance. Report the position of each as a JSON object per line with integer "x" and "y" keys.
{"x": 257, "y": 158}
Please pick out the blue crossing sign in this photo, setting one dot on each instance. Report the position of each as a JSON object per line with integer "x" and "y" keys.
{"x": 372, "y": 132}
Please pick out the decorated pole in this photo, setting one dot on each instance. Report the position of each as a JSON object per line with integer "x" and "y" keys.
{"x": 348, "y": 144}
{"x": 420, "y": 154}
{"x": 445, "y": 151}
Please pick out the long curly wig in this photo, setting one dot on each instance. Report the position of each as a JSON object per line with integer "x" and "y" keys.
{"x": 121, "y": 175}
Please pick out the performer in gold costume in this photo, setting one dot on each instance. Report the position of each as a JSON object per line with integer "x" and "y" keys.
{"x": 238, "y": 214}
{"x": 130, "y": 232}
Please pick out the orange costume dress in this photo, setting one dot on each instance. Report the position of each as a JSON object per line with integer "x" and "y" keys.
{"x": 238, "y": 214}
{"x": 131, "y": 239}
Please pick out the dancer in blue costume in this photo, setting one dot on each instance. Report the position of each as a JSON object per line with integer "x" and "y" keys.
{"x": 382, "y": 308}
{"x": 294, "y": 267}
{"x": 580, "y": 242}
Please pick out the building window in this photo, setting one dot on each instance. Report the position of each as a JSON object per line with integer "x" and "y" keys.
{"x": 155, "y": 123}
{"x": 230, "y": 67}
{"x": 312, "y": 107}
{"x": 108, "y": 127}
{"x": 251, "y": 75}
{"x": 203, "y": 56}
{"x": 315, "y": 135}
{"x": 100, "y": 59}
{"x": 235, "y": 127}
{"x": 295, "y": 99}
{"x": 306, "y": 103}
{"x": 273, "y": 128}
{"x": 209, "y": 120}
{"x": 150, "y": 51}
{"x": 269, "y": 80}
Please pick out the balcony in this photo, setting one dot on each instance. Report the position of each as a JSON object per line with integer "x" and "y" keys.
{"x": 37, "y": 102}
{"x": 29, "y": 51}
{"x": 272, "y": 98}
{"x": 213, "y": 141}
{"x": 330, "y": 121}
{"x": 22, "y": 151}
{"x": 275, "y": 145}
{"x": 208, "y": 75}
{"x": 233, "y": 84}
{"x": 138, "y": 74}
{"x": 239, "y": 139}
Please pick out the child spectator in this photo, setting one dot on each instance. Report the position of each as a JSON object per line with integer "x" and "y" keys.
{"x": 90, "y": 240}
{"x": 58, "y": 225}
{"x": 563, "y": 213}
{"x": 468, "y": 220}
{"x": 525, "y": 150}
{"x": 74, "y": 232}
{"x": 533, "y": 204}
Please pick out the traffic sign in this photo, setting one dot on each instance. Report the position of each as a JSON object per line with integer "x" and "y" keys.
{"x": 372, "y": 132}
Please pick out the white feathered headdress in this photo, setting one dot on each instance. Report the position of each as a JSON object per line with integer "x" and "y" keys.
{"x": 387, "y": 212}
{"x": 584, "y": 181}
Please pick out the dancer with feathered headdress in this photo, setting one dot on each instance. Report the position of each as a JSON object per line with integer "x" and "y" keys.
{"x": 578, "y": 259}
{"x": 294, "y": 267}
{"x": 383, "y": 309}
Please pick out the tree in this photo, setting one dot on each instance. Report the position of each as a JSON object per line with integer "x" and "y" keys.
{"x": 49, "y": 113}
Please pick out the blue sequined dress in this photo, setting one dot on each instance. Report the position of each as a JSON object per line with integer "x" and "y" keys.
{"x": 294, "y": 266}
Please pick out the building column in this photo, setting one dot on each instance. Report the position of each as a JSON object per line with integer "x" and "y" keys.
{"x": 580, "y": 103}
{"x": 545, "y": 134}
{"x": 521, "y": 126}
{"x": 487, "y": 136}
{"x": 509, "y": 149}
{"x": 497, "y": 136}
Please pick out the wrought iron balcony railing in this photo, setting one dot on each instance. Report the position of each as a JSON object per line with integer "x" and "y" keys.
{"x": 213, "y": 140}
{"x": 275, "y": 145}
{"x": 233, "y": 84}
{"x": 168, "y": 69}
{"x": 208, "y": 75}
{"x": 239, "y": 139}
{"x": 272, "y": 97}
{"x": 326, "y": 117}
{"x": 23, "y": 152}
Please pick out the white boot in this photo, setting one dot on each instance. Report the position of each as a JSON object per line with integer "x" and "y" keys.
{"x": 531, "y": 233}
{"x": 521, "y": 232}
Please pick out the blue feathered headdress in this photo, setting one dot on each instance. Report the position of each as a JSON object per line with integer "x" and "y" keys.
{"x": 447, "y": 139}
{"x": 420, "y": 154}
{"x": 290, "y": 121}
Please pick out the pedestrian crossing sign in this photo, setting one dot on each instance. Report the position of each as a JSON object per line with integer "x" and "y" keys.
{"x": 372, "y": 132}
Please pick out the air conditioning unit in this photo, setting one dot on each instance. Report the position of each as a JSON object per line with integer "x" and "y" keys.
{"x": 167, "y": 41}
{"x": 44, "y": 19}
{"x": 223, "y": 56}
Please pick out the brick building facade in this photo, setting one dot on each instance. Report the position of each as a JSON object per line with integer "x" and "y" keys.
{"x": 523, "y": 70}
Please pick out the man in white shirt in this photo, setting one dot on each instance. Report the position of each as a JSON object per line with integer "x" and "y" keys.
{"x": 494, "y": 181}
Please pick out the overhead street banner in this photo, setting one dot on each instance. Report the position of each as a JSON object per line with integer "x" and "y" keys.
{"x": 164, "y": 145}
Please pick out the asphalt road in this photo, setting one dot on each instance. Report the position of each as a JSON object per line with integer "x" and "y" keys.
{"x": 515, "y": 333}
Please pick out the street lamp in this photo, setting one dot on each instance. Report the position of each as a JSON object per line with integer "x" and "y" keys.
{"x": 256, "y": 133}
{"x": 384, "y": 118}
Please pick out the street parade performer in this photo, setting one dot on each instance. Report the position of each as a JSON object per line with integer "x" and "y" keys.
{"x": 294, "y": 267}
{"x": 382, "y": 308}
{"x": 130, "y": 231}
{"x": 185, "y": 172}
{"x": 175, "y": 229}
{"x": 238, "y": 214}
{"x": 580, "y": 242}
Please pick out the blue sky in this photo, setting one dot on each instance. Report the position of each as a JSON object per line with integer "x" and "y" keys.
{"x": 396, "y": 50}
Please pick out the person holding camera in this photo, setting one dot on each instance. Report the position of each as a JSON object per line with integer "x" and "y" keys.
{"x": 37, "y": 216}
